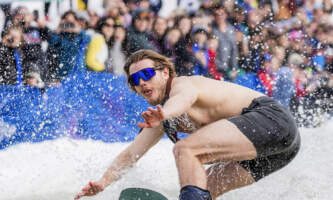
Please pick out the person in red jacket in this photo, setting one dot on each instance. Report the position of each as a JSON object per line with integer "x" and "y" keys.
{"x": 212, "y": 45}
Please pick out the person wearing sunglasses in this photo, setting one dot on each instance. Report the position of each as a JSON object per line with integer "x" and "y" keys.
{"x": 138, "y": 33}
{"x": 242, "y": 134}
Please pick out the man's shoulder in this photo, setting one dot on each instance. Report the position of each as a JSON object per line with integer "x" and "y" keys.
{"x": 191, "y": 80}
{"x": 181, "y": 79}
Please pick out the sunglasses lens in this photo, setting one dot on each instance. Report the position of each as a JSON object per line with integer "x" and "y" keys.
{"x": 133, "y": 80}
{"x": 145, "y": 74}
{"x": 148, "y": 74}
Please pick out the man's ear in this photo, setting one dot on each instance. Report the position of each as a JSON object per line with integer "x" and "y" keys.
{"x": 165, "y": 72}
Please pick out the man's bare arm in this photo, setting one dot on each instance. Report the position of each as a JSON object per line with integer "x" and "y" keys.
{"x": 142, "y": 143}
{"x": 183, "y": 95}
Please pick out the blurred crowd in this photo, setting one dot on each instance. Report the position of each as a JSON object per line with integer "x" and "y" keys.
{"x": 286, "y": 45}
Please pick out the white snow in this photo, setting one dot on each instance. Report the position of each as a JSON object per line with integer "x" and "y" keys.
{"x": 58, "y": 169}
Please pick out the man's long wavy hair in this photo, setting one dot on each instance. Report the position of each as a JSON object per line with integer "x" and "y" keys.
{"x": 158, "y": 59}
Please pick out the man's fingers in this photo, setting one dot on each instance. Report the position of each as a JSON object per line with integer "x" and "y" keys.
{"x": 143, "y": 125}
{"x": 159, "y": 108}
{"x": 89, "y": 190}
{"x": 86, "y": 188}
{"x": 145, "y": 117}
{"x": 92, "y": 188}
{"x": 78, "y": 196}
{"x": 147, "y": 114}
{"x": 151, "y": 109}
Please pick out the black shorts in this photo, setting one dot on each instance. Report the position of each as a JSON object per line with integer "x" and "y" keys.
{"x": 273, "y": 131}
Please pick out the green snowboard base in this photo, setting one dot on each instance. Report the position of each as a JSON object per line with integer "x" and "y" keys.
{"x": 140, "y": 194}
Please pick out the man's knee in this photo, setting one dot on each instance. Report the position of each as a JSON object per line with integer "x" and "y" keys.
{"x": 182, "y": 149}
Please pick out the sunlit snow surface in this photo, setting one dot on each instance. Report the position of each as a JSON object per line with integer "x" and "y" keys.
{"x": 58, "y": 169}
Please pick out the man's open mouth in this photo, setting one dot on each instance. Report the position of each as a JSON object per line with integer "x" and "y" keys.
{"x": 148, "y": 92}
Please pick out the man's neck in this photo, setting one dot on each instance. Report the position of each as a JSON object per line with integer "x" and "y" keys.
{"x": 167, "y": 90}
{"x": 168, "y": 87}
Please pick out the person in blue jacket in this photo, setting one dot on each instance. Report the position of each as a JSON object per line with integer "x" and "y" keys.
{"x": 70, "y": 44}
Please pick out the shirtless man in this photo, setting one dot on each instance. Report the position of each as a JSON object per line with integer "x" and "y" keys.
{"x": 243, "y": 134}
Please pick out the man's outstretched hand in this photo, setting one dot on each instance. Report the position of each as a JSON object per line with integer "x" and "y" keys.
{"x": 90, "y": 190}
{"x": 152, "y": 117}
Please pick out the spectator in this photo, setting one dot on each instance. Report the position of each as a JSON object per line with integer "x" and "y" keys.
{"x": 266, "y": 10}
{"x": 227, "y": 52}
{"x": 132, "y": 5}
{"x": 283, "y": 11}
{"x": 112, "y": 9}
{"x": 13, "y": 65}
{"x": 34, "y": 33}
{"x": 284, "y": 88}
{"x": 257, "y": 41}
{"x": 266, "y": 73}
{"x": 117, "y": 52}
{"x": 172, "y": 37}
{"x": 192, "y": 57}
{"x": 206, "y": 7}
{"x": 212, "y": 46}
{"x": 238, "y": 18}
{"x": 243, "y": 49}
{"x": 83, "y": 19}
{"x": 184, "y": 24}
{"x": 119, "y": 12}
{"x": 328, "y": 11}
{"x": 5, "y": 8}
{"x": 184, "y": 60}
{"x": 145, "y": 4}
{"x": 295, "y": 62}
{"x": 280, "y": 53}
{"x": 70, "y": 44}
{"x": 138, "y": 33}
{"x": 98, "y": 48}
{"x": 199, "y": 49}
{"x": 2, "y": 20}
{"x": 93, "y": 18}
{"x": 158, "y": 33}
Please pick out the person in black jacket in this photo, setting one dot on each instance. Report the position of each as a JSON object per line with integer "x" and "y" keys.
{"x": 34, "y": 33}
{"x": 138, "y": 33}
{"x": 13, "y": 66}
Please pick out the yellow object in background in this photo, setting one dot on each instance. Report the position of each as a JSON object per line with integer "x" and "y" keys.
{"x": 81, "y": 4}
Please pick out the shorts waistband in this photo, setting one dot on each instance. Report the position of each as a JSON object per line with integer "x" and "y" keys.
{"x": 257, "y": 102}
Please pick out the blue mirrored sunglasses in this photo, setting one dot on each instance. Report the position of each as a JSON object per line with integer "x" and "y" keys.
{"x": 145, "y": 74}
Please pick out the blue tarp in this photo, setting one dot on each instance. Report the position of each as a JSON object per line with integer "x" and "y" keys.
{"x": 87, "y": 105}
{"x": 92, "y": 105}
{"x": 251, "y": 80}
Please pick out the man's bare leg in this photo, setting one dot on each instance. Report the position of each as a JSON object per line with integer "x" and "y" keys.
{"x": 216, "y": 142}
{"x": 223, "y": 177}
